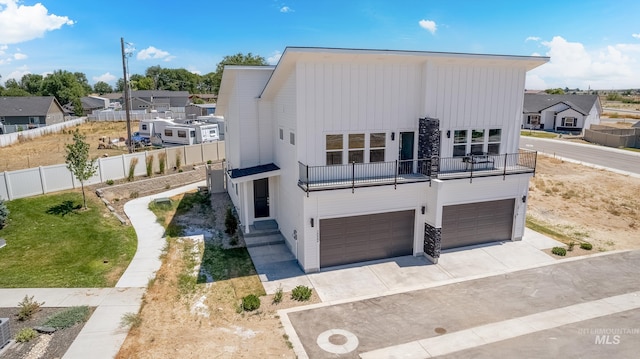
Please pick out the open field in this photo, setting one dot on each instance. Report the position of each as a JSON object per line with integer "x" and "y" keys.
{"x": 50, "y": 149}
{"x": 586, "y": 204}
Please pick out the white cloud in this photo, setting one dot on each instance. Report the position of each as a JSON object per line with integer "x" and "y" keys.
{"x": 572, "y": 65}
{"x": 532, "y": 38}
{"x": 18, "y": 73}
{"x": 274, "y": 58}
{"x": 105, "y": 77}
{"x": 429, "y": 25}
{"x": 20, "y": 23}
{"x": 637, "y": 36}
{"x": 19, "y": 56}
{"x": 286, "y": 9}
{"x": 154, "y": 53}
{"x": 193, "y": 70}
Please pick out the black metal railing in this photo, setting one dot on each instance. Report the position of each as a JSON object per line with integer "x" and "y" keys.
{"x": 362, "y": 174}
{"x": 352, "y": 175}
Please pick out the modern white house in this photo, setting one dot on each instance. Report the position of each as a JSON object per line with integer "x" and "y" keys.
{"x": 561, "y": 113}
{"x": 368, "y": 154}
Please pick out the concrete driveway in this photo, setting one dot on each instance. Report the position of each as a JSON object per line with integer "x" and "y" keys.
{"x": 579, "y": 307}
{"x": 277, "y": 268}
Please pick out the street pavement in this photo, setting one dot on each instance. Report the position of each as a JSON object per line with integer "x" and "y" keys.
{"x": 555, "y": 310}
{"x": 601, "y": 157}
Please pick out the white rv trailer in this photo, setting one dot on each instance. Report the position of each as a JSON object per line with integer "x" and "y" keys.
{"x": 182, "y": 132}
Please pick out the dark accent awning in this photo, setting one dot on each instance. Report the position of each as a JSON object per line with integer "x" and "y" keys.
{"x": 249, "y": 171}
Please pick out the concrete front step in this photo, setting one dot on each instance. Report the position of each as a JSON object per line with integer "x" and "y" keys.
{"x": 263, "y": 240}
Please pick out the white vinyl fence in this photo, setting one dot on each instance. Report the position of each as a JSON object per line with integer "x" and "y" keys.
{"x": 135, "y": 115}
{"x": 47, "y": 179}
{"x": 8, "y": 139}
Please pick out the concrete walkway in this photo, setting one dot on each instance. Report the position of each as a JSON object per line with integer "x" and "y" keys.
{"x": 102, "y": 336}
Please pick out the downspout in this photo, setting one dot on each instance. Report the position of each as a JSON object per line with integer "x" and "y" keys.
{"x": 246, "y": 207}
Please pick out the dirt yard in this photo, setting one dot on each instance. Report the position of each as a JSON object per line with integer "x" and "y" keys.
{"x": 50, "y": 149}
{"x": 586, "y": 204}
{"x": 203, "y": 320}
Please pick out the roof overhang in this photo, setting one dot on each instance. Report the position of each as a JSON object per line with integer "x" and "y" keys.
{"x": 239, "y": 175}
{"x": 292, "y": 55}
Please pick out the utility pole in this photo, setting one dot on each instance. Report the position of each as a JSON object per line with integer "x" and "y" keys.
{"x": 127, "y": 105}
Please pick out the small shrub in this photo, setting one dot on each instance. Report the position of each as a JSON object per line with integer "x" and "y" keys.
{"x": 559, "y": 251}
{"x": 180, "y": 170}
{"x": 230, "y": 222}
{"x": 25, "y": 335}
{"x": 178, "y": 160}
{"x": 28, "y": 307}
{"x": 301, "y": 293}
{"x": 162, "y": 162}
{"x": 250, "y": 302}
{"x": 109, "y": 182}
{"x": 586, "y": 246}
{"x": 209, "y": 162}
{"x": 277, "y": 296}
{"x": 68, "y": 317}
{"x": 132, "y": 168}
{"x": 571, "y": 245}
{"x": 134, "y": 194}
{"x": 4, "y": 214}
{"x": 149, "y": 163}
{"x": 131, "y": 320}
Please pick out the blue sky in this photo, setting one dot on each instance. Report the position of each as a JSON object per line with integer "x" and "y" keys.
{"x": 591, "y": 43}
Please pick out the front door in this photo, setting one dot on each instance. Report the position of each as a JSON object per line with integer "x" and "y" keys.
{"x": 406, "y": 152}
{"x": 261, "y": 197}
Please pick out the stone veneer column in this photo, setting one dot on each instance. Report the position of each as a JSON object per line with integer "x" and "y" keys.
{"x": 428, "y": 137}
{"x": 429, "y": 147}
{"x": 432, "y": 239}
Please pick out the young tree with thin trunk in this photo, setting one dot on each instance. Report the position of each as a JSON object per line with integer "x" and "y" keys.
{"x": 78, "y": 161}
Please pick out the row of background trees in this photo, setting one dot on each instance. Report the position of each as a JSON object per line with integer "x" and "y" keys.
{"x": 68, "y": 87}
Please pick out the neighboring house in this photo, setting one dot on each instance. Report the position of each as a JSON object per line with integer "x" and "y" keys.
{"x": 89, "y": 104}
{"x": 368, "y": 154}
{"x": 194, "y": 110}
{"x": 562, "y": 113}
{"x": 158, "y": 100}
{"x": 27, "y": 112}
{"x": 154, "y": 100}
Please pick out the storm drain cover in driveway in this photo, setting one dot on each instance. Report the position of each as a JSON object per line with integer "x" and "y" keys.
{"x": 337, "y": 341}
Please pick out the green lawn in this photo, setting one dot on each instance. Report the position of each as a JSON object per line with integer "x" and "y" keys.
{"x": 53, "y": 243}
{"x": 538, "y": 134}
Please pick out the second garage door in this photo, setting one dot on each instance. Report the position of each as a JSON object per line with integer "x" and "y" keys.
{"x": 475, "y": 223}
{"x": 362, "y": 238}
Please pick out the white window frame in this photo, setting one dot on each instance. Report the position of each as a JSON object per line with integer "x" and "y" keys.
{"x": 574, "y": 121}
{"x": 474, "y": 143}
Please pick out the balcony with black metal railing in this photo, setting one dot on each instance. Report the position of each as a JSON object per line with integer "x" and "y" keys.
{"x": 353, "y": 175}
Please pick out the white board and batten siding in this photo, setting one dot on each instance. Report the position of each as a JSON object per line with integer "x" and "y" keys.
{"x": 243, "y": 110}
{"x": 482, "y": 189}
{"x": 465, "y": 96}
{"x": 365, "y": 200}
{"x": 347, "y": 97}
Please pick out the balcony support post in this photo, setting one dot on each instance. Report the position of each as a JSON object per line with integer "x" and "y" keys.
{"x": 395, "y": 177}
{"x": 353, "y": 177}
{"x": 504, "y": 172}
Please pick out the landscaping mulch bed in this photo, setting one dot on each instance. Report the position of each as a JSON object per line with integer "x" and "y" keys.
{"x": 58, "y": 344}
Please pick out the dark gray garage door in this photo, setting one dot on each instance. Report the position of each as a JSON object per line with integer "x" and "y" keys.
{"x": 475, "y": 223}
{"x": 362, "y": 238}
